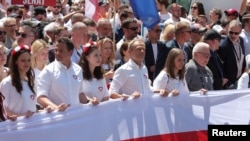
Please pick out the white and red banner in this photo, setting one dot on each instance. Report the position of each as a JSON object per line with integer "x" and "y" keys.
{"x": 35, "y": 2}
{"x": 181, "y": 118}
{"x": 91, "y": 9}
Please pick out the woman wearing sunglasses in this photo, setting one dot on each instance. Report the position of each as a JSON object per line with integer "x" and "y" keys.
{"x": 196, "y": 10}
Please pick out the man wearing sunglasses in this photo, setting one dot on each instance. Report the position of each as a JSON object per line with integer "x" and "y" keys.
{"x": 56, "y": 12}
{"x": 153, "y": 47}
{"x": 232, "y": 53}
{"x": 130, "y": 30}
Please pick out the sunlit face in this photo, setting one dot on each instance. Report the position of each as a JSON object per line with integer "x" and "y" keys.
{"x": 62, "y": 54}
{"x": 42, "y": 55}
{"x": 107, "y": 49}
{"x": 3, "y": 56}
{"x": 25, "y": 37}
{"x": 179, "y": 62}
{"x": 202, "y": 57}
{"x": 137, "y": 53}
{"x": 23, "y": 62}
{"x": 95, "y": 58}
{"x": 234, "y": 32}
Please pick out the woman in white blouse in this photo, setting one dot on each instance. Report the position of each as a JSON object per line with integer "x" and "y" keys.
{"x": 171, "y": 78}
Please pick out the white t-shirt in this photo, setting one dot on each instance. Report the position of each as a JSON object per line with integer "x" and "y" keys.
{"x": 61, "y": 84}
{"x": 243, "y": 81}
{"x": 16, "y": 102}
{"x": 163, "y": 81}
{"x": 95, "y": 88}
{"x": 129, "y": 78}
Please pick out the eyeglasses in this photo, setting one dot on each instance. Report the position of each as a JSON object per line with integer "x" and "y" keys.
{"x": 189, "y": 31}
{"x": 2, "y": 33}
{"x": 235, "y": 33}
{"x": 193, "y": 7}
{"x": 23, "y": 35}
{"x": 206, "y": 55}
{"x": 133, "y": 28}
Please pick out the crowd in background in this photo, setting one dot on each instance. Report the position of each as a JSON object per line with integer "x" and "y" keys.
{"x": 54, "y": 57}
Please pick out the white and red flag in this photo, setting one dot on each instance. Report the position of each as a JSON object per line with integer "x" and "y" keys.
{"x": 91, "y": 9}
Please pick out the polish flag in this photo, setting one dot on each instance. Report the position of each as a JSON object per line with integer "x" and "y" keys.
{"x": 91, "y": 9}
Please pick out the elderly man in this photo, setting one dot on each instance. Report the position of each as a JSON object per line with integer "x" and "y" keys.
{"x": 132, "y": 77}
{"x": 197, "y": 74}
{"x": 60, "y": 83}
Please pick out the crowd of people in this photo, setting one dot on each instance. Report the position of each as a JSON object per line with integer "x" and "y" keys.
{"x": 55, "y": 57}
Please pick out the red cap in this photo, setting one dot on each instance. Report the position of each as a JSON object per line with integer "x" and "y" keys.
{"x": 231, "y": 11}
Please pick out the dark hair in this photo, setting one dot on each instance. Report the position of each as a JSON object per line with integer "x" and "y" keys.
{"x": 2, "y": 112}
{"x": 164, "y": 2}
{"x": 98, "y": 72}
{"x": 124, "y": 47}
{"x": 126, "y": 22}
{"x": 201, "y": 10}
{"x": 69, "y": 44}
{"x": 14, "y": 73}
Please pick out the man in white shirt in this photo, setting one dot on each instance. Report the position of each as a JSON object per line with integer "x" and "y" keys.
{"x": 131, "y": 79}
{"x": 245, "y": 33}
{"x": 60, "y": 83}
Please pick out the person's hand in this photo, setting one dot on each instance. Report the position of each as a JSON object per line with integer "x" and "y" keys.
{"x": 94, "y": 101}
{"x": 62, "y": 107}
{"x": 224, "y": 81}
{"x": 29, "y": 114}
{"x": 163, "y": 93}
{"x": 136, "y": 94}
{"x": 12, "y": 117}
{"x": 124, "y": 97}
{"x": 175, "y": 92}
{"x": 203, "y": 91}
{"x": 109, "y": 74}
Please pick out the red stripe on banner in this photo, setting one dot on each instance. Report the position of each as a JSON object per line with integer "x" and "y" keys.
{"x": 35, "y": 2}
{"x": 183, "y": 136}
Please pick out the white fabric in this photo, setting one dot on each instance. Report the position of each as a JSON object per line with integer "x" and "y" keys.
{"x": 243, "y": 81}
{"x": 162, "y": 81}
{"x": 59, "y": 84}
{"x": 129, "y": 78}
{"x": 95, "y": 88}
{"x": 16, "y": 102}
{"x": 144, "y": 117}
{"x": 246, "y": 37}
{"x": 155, "y": 51}
{"x": 75, "y": 57}
{"x": 51, "y": 16}
{"x": 37, "y": 72}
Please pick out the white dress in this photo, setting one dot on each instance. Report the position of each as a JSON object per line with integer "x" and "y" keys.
{"x": 16, "y": 102}
{"x": 163, "y": 81}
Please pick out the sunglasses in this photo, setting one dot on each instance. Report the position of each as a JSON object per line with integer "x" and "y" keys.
{"x": 23, "y": 35}
{"x": 133, "y": 28}
{"x": 235, "y": 33}
{"x": 2, "y": 33}
{"x": 193, "y": 7}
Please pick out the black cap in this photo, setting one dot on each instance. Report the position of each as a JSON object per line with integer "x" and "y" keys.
{"x": 211, "y": 35}
{"x": 39, "y": 10}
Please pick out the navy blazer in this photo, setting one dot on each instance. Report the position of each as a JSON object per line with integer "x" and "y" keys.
{"x": 149, "y": 56}
{"x": 226, "y": 53}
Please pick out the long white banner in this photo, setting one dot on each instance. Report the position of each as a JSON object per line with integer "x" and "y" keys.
{"x": 147, "y": 118}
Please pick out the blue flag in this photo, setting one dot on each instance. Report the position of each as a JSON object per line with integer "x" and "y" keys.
{"x": 146, "y": 11}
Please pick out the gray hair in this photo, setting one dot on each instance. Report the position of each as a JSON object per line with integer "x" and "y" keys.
{"x": 199, "y": 47}
{"x": 50, "y": 27}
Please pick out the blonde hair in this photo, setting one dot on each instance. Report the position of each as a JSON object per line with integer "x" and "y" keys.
{"x": 169, "y": 29}
{"x": 37, "y": 46}
{"x": 2, "y": 46}
{"x": 111, "y": 58}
